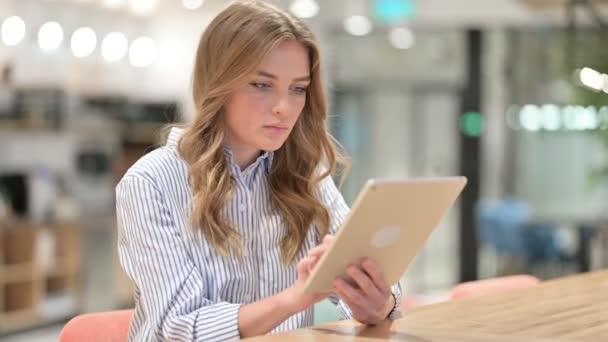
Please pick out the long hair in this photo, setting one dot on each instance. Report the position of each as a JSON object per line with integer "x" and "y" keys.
{"x": 231, "y": 49}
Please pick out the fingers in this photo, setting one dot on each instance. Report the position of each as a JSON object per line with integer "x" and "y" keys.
{"x": 363, "y": 281}
{"x": 312, "y": 261}
{"x": 373, "y": 270}
{"x": 317, "y": 251}
{"x": 368, "y": 293}
{"x": 304, "y": 266}
{"x": 349, "y": 294}
{"x": 328, "y": 239}
{"x": 355, "y": 300}
{"x": 322, "y": 247}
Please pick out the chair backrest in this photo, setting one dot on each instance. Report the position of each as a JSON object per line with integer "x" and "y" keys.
{"x": 500, "y": 224}
{"x": 492, "y": 286}
{"x": 111, "y": 326}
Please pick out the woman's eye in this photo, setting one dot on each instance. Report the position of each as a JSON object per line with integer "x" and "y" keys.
{"x": 260, "y": 85}
{"x": 299, "y": 90}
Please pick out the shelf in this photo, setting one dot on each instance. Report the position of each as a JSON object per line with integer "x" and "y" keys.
{"x": 21, "y": 296}
{"x": 18, "y": 244}
{"x": 18, "y": 320}
{"x": 36, "y": 288}
{"x": 63, "y": 267}
{"x": 17, "y": 273}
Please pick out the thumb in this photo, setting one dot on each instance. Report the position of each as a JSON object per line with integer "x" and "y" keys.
{"x": 303, "y": 266}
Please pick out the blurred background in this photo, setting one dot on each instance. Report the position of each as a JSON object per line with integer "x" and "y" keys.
{"x": 512, "y": 94}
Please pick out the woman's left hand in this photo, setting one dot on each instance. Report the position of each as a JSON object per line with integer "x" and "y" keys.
{"x": 367, "y": 294}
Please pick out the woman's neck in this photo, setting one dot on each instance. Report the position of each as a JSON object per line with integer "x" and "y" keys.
{"x": 243, "y": 155}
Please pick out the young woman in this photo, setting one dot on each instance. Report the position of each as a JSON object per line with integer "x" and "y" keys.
{"x": 220, "y": 227}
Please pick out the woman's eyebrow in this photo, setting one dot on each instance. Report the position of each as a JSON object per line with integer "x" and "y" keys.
{"x": 274, "y": 77}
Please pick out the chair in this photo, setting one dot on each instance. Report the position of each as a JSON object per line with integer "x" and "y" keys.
{"x": 111, "y": 326}
{"x": 506, "y": 226}
{"x": 492, "y": 286}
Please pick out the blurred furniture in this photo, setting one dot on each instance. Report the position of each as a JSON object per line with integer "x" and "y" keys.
{"x": 570, "y": 308}
{"x": 111, "y": 326}
{"x": 592, "y": 232}
{"x": 40, "y": 269}
{"x": 507, "y": 226}
{"x": 37, "y": 108}
{"x": 492, "y": 286}
{"x": 472, "y": 289}
{"x": 592, "y": 241}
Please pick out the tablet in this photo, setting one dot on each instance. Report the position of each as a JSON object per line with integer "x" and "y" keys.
{"x": 390, "y": 222}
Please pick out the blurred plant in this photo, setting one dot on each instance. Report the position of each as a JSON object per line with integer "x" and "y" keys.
{"x": 589, "y": 48}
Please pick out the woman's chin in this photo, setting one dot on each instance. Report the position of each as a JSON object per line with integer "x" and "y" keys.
{"x": 272, "y": 146}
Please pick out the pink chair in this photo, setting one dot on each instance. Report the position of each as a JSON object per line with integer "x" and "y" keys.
{"x": 408, "y": 302}
{"x": 491, "y": 286}
{"x": 111, "y": 326}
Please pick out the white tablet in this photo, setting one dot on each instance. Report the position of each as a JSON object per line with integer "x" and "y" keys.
{"x": 389, "y": 222}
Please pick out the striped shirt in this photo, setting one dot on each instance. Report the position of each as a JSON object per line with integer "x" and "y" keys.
{"x": 184, "y": 289}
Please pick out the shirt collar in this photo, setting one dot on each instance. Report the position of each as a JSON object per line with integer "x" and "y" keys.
{"x": 174, "y": 136}
{"x": 265, "y": 158}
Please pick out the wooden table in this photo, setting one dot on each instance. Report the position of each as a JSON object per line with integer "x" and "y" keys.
{"x": 568, "y": 309}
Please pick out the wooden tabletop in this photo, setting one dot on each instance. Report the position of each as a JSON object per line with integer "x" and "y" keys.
{"x": 567, "y": 309}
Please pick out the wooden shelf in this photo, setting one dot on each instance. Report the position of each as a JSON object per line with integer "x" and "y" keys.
{"x": 64, "y": 266}
{"x": 21, "y": 296}
{"x": 26, "y": 281}
{"x": 18, "y": 244}
{"x": 17, "y": 273}
{"x": 18, "y": 320}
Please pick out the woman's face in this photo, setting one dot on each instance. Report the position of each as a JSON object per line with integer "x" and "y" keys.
{"x": 260, "y": 114}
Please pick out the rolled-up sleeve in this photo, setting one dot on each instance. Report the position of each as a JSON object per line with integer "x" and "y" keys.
{"x": 171, "y": 289}
{"x": 338, "y": 211}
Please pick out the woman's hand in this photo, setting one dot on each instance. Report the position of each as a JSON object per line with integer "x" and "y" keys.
{"x": 366, "y": 292}
{"x": 297, "y": 299}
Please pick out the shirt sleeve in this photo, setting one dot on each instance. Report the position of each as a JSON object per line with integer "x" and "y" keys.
{"x": 338, "y": 211}
{"x": 172, "y": 303}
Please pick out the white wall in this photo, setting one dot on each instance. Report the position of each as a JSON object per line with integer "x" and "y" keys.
{"x": 176, "y": 33}
{"x": 553, "y": 172}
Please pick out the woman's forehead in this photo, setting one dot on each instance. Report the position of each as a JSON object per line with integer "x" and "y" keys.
{"x": 288, "y": 60}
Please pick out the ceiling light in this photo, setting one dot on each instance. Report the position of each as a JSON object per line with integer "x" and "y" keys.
{"x": 402, "y": 38}
{"x": 591, "y": 78}
{"x": 12, "y": 31}
{"x": 114, "y": 47}
{"x": 143, "y": 7}
{"x": 304, "y": 8}
{"x": 50, "y": 36}
{"x": 142, "y": 52}
{"x": 83, "y": 42}
{"x": 357, "y": 25}
{"x": 192, "y": 4}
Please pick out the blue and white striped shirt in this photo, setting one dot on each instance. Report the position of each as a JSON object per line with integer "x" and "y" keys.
{"x": 184, "y": 289}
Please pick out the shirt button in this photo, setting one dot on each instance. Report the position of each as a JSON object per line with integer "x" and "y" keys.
{"x": 247, "y": 298}
{"x": 241, "y": 207}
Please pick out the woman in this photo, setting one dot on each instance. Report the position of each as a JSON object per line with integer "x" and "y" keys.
{"x": 220, "y": 227}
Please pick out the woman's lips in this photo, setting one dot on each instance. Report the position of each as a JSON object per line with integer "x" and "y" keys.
{"x": 275, "y": 129}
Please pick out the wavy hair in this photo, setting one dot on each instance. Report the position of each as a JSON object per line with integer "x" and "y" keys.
{"x": 231, "y": 49}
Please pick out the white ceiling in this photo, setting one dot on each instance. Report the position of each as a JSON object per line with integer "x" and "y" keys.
{"x": 429, "y": 13}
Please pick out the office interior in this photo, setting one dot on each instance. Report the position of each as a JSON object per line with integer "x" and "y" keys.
{"x": 512, "y": 94}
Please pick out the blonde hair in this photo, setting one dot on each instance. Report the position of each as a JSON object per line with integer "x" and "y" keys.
{"x": 230, "y": 49}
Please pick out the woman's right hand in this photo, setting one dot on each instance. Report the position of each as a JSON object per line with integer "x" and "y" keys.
{"x": 296, "y": 296}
